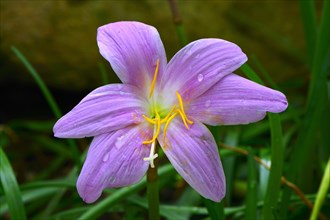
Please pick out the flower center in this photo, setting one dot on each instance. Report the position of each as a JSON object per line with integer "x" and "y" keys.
{"x": 158, "y": 121}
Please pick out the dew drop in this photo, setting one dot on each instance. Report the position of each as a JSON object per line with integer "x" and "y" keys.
{"x": 120, "y": 142}
{"x": 106, "y": 157}
{"x": 200, "y": 77}
{"x": 207, "y": 103}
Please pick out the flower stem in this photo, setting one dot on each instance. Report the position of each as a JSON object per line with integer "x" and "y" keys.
{"x": 152, "y": 190}
{"x": 178, "y": 22}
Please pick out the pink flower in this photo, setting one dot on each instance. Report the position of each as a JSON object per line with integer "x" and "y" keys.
{"x": 164, "y": 102}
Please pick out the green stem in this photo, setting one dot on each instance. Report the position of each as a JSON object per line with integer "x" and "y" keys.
{"x": 277, "y": 156}
{"x": 274, "y": 181}
{"x": 49, "y": 97}
{"x": 322, "y": 192}
{"x": 251, "y": 197}
{"x": 308, "y": 15}
{"x": 178, "y": 22}
{"x": 45, "y": 91}
{"x": 152, "y": 190}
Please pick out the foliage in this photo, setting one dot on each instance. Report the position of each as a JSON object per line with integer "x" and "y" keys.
{"x": 297, "y": 151}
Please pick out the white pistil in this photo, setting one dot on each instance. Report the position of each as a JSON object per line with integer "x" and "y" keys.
{"x": 152, "y": 155}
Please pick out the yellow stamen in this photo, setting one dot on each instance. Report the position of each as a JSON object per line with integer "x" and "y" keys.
{"x": 157, "y": 120}
{"x": 154, "y": 80}
{"x": 166, "y": 125}
{"x": 152, "y": 121}
{"x": 168, "y": 115}
{"x": 183, "y": 118}
{"x": 183, "y": 115}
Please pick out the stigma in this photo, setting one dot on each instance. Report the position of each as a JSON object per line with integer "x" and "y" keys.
{"x": 158, "y": 121}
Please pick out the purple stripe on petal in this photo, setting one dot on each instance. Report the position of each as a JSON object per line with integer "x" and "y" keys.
{"x": 199, "y": 65}
{"x": 114, "y": 160}
{"x": 194, "y": 154}
{"x": 105, "y": 109}
{"x": 132, "y": 48}
{"x": 236, "y": 100}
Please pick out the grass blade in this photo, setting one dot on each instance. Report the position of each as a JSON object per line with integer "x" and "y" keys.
{"x": 178, "y": 22}
{"x": 277, "y": 153}
{"x": 104, "y": 74}
{"x": 11, "y": 189}
{"x": 101, "y": 207}
{"x": 251, "y": 197}
{"x": 215, "y": 209}
{"x": 316, "y": 108}
{"x": 320, "y": 67}
{"x": 50, "y": 99}
{"x": 322, "y": 192}
{"x": 249, "y": 72}
{"x": 307, "y": 8}
{"x": 277, "y": 157}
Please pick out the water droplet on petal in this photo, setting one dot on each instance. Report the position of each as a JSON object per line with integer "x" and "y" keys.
{"x": 200, "y": 77}
{"x": 198, "y": 56}
{"x": 207, "y": 103}
{"x": 106, "y": 157}
{"x": 120, "y": 141}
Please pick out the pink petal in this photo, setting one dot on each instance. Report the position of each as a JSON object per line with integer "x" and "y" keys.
{"x": 194, "y": 154}
{"x": 236, "y": 100}
{"x": 199, "y": 65}
{"x": 105, "y": 109}
{"x": 132, "y": 48}
{"x": 114, "y": 160}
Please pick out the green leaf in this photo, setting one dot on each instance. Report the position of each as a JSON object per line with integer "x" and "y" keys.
{"x": 69, "y": 214}
{"x": 98, "y": 209}
{"x": 215, "y": 209}
{"x": 277, "y": 154}
{"x": 11, "y": 190}
{"x": 251, "y": 197}
{"x": 277, "y": 157}
{"x": 317, "y": 105}
{"x": 249, "y": 72}
{"x": 307, "y": 8}
{"x": 171, "y": 212}
{"x": 50, "y": 99}
{"x": 322, "y": 192}
{"x": 104, "y": 75}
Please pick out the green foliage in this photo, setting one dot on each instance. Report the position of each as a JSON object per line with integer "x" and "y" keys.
{"x": 295, "y": 144}
{"x": 11, "y": 189}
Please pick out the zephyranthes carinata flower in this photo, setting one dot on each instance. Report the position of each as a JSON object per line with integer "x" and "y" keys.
{"x": 164, "y": 102}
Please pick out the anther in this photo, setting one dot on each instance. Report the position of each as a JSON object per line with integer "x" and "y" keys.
{"x": 183, "y": 118}
{"x": 183, "y": 115}
{"x": 152, "y": 121}
{"x": 154, "y": 80}
{"x": 166, "y": 125}
{"x": 157, "y": 125}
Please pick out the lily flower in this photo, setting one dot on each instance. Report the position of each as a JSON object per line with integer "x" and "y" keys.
{"x": 162, "y": 102}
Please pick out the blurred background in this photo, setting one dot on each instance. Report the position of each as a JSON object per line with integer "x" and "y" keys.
{"x": 58, "y": 38}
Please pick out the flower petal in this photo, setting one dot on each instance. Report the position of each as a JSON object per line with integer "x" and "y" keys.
{"x": 194, "y": 154}
{"x": 105, "y": 109}
{"x": 114, "y": 160}
{"x": 199, "y": 65}
{"x": 132, "y": 48}
{"x": 236, "y": 100}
